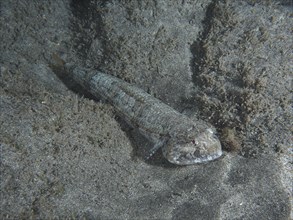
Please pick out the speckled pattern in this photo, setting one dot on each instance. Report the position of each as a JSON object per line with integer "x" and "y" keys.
{"x": 184, "y": 141}
{"x": 67, "y": 156}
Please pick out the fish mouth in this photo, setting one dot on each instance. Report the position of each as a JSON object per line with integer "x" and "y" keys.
{"x": 188, "y": 160}
{"x": 203, "y": 148}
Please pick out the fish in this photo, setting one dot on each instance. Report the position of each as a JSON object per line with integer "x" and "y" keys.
{"x": 184, "y": 141}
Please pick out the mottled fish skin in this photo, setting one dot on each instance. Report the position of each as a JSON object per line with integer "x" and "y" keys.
{"x": 184, "y": 141}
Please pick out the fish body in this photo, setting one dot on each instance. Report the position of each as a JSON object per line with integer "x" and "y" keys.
{"x": 183, "y": 141}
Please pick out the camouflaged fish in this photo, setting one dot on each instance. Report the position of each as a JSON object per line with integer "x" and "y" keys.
{"x": 183, "y": 141}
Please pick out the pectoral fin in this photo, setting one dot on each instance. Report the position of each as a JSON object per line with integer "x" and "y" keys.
{"x": 158, "y": 144}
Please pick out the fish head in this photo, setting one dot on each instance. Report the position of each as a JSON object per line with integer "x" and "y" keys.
{"x": 203, "y": 147}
